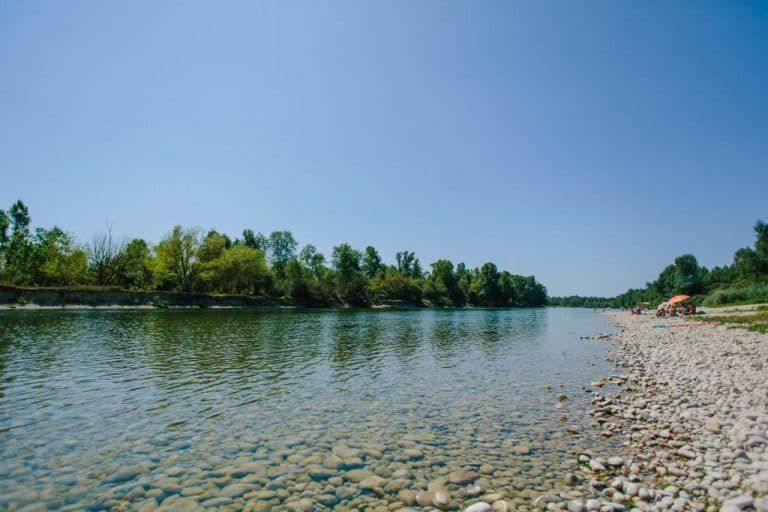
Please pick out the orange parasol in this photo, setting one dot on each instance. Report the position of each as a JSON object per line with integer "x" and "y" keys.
{"x": 678, "y": 298}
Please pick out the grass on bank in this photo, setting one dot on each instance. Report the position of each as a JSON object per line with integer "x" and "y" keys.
{"x": 757, "y": 322}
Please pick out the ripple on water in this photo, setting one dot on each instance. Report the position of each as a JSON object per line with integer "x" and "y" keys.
{"x": 253, "y": 409}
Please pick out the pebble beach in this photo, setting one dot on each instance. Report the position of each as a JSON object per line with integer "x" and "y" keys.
{"x": 689, "y": 404}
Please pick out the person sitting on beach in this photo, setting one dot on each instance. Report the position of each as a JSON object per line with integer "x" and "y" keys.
{"x": 688, "y": 310}
{"x": 661, "y": 312}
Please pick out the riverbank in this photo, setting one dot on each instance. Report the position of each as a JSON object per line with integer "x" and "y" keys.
{"x": 84, "y": 297}
{"x": 93, "y": 297}
{"x": 87, "y": 297}
{"x": 691, "y": 409}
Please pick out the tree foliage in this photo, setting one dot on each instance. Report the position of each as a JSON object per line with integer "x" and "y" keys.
{"x": 177, "y": 258}
{"x": 187, "y": 260}
{"x": 744, "y": 280}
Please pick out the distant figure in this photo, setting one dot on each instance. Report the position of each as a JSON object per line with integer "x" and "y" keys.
{"x": 661, "y": 312}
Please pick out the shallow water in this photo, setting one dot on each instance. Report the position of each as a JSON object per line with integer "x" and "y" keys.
{"x": 129, "y": 409}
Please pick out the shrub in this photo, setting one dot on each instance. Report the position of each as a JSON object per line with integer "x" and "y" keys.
{"x": 749, "y": 294}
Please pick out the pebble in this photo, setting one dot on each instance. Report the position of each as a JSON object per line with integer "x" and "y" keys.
{"x": 480, "y": 506}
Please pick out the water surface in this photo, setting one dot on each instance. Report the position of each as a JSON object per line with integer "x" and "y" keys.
{"x": 129, "y": 409}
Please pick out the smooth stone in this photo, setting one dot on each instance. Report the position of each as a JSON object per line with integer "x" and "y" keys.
{"x": 125, "y": 474}
{"x": 333, "y": 461}
{"x": 372, "y": 482}
{"x": 345, "y": 452}
{"x": 500, "y": 506}
{"x": 425, "y": 499}
{"x": 306, "y": 504}
{"x": 436, "y": 484}
{"x": 473, "y": 490}
{"x": 462, "y": 477}
{"x": 234, "y": 490}
{"x": 320, "y": 472}
{"x": 740, "y": 502}
{"x": 221, "y": 501}
{"x": 343, "y": 493}
{"x": 407, "y": 497}
{"x": 713, "y": 426}
{"x": 357, "y": 475}
{"x": 480, "y": 506}
{"x": 413, "y": 454}
{"x": 441, "y": 499}
{"x": 175, "y": 471}
{"x": 327, "y": 500}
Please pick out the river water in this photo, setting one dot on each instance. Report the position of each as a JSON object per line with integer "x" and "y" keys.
{"x": 284, "y": 410}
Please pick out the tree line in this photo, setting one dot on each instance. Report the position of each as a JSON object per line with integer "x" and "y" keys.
{"x": 190, "y": 260}
{"x": 745, "y": 280}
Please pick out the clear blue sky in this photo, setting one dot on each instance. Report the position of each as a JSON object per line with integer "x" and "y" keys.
{"x": 588, "y": 143}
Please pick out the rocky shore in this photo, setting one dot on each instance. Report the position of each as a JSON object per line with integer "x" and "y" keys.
{"x": 691, "y": 410}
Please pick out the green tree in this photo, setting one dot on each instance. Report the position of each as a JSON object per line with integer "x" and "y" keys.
{"x": 19, "y": 216}
{"x": 446, "y": 283}
{"x": 282, "y": 249}
{"x": 485, "y": 286}
{"x": 213, "y": 246}
{"x": 255, "y": 240}
{"x": 57, "y": 259}
{"x": 687, "y": 275}
{"x": 761, "y": 244}
{"x": 350, "y": 282}
{"x": 134, "y": 265}
{"x": 408, "y": 264}
{"x": 240, "y": 269}
{"x": 18, "y": 251}
{"x": 746, "y": 264}
{"x": 177, "y": 258}
{"x": 4, "y": 224}
{"x": 313, "y": 260}
{"x": 372, "y": 264}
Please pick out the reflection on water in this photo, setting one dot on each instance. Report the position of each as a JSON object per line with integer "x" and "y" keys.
{"x": 123, "y": 409}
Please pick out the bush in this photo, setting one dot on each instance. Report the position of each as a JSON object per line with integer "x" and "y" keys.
{"x": 750, "y": 294}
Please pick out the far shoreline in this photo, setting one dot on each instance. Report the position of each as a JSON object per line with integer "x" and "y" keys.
{"x": 16, "y": 298}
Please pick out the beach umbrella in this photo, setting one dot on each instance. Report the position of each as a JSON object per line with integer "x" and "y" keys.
{"x": 678, "y": 298}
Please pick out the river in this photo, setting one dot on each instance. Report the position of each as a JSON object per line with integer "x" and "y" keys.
{"x": 275, "y": 410}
